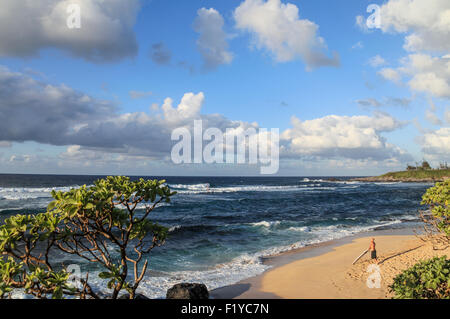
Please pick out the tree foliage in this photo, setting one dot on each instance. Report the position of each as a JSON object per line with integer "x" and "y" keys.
{"x": 100, "y": 224}
{"x": 428, "y": 279}
{"x": 437, "y": 218}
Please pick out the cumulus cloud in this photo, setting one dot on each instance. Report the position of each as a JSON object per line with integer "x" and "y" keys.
{"x": 43, "y": 112}
{"x": 212, "y": 42}
{"x": 426, "y": 74}
{"x": 59, "y": 115}
{"x": 436, "y": 144}
{"x": 277, "y": 27}
{"x": 426, "y": 23}
{"x": 106, "y": 33}
{"x": 95, "y": 132}
{"x": 188, "y": 109}
{"x": 354, "y": 137}
{"x": 390, "y": 74}
{"x": 426, "y": 26}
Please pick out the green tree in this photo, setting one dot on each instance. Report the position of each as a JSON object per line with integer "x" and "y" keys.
{"x": 100, "y": 224}
{"x": 437, "y": 218}
{"x": 426, "y": 165}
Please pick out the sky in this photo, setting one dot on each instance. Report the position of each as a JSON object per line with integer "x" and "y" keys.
{"x": 352, "y": 91}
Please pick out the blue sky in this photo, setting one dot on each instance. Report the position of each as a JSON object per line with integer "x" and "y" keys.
{"x": 254, "y": 87}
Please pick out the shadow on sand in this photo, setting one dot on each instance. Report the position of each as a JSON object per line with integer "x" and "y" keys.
{"x": 399, "y": 254}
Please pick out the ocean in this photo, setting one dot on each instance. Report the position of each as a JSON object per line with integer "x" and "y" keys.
{"x": 220, "y": 227}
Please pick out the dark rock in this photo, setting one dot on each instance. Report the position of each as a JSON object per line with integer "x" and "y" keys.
{"x": 136, "y": 297}
{"x": 188, "y": 291}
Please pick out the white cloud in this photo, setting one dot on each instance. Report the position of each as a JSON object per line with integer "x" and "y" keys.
{"x": 58, "y": 115}
{"x": 276, "y": 27}
{"x": 426, "y": 22}
{"x": 437, "y": 143}
{"x": 426, "y": 74}
{"x": 354, "y": 137}
{"x": 431, "y": 83}
{"x": 212, "y": 42}
{"x": 106, "y": 33}
{"x": 377, "y": 61}
{"x": 188, "y": 109}
{"x": 426, "y": 26}
{"x": 390, "y": 74}
{"x": 96, "y": 134}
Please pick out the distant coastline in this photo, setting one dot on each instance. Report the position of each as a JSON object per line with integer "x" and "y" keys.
{"x": 410, "y": 176}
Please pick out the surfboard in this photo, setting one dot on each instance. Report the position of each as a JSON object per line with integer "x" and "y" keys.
{"x": 364, "y": 252}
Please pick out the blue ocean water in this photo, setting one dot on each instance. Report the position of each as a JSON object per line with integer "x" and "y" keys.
{"x": 220, "y": 227}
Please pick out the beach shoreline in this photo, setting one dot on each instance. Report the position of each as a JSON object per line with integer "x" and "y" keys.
{"x": 325, "y": 270}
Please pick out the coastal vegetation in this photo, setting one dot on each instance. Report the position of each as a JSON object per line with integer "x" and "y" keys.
{"x": 419, "y": 173}
{"x": 430, "y": 279}
{"x": 99, "y": 224}
{"x": 437, "y": 218}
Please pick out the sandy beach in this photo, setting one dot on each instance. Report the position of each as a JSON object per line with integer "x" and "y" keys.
{"x": 326, "y": 271}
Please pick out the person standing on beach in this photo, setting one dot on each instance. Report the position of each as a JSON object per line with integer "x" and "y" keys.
{"x": 373, "y": 250}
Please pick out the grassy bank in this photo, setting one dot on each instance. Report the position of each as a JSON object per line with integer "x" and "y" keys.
{"x": 435, "y": 173}
{"x": 432, "y": 175}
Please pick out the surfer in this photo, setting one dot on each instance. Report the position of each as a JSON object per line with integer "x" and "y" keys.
{"x": 373, "y": 250}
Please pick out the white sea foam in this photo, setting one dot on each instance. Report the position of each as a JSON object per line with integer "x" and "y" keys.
{"x": 20, "y": 193}
{"x": 265, "y": 223}
{"x": 201, "y": 189}
{"x": 299, "y": 229}
{"x": 173, "y": 228}
{"x": 387, "y": 183}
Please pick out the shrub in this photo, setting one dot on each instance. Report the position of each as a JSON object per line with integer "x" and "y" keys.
{"x": 99, "y": 224}
{"x": 428, "y": 279}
